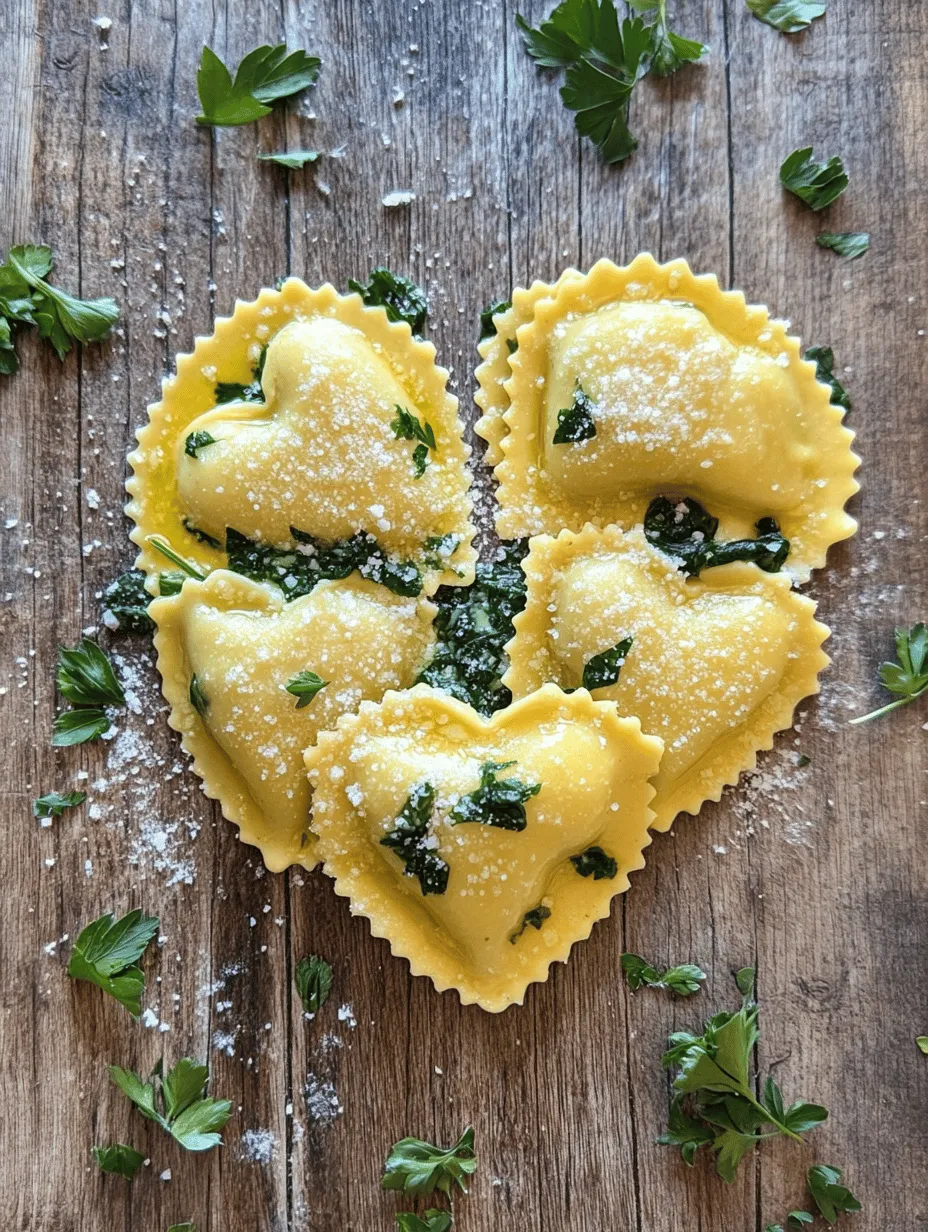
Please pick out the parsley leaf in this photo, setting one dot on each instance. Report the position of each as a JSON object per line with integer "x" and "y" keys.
{"x": 125, "y": 604}
{"x": 79, "y": 726}
{"x": 196, "y": 441}
{"x": 183, "y": 1227}
{"x": 788, "y": 16}
{"x": 817, "y": 184}
{"x": 106, "y": 953}
{"x": 410, "y": 839}
{"x": 313, "y": 979}
{"x": 472, "y": 627}
{"x": 487, "y": 324}
{"x": 682, "y": 980}
{"x": 603, "y": 669}
{"x": 265, "y": 75}
{"x": 189, "y": 1117}
{"x": 908, "y": 677}
{"x": 408, "y": 427}
{"x": 831, "y": 1197}
{"x": 534, "y": 918}
{"x": 198, "y": 699}
{"x": 595, "y": 863}
{"x": 120, "y": 1159}
{"x": 669, "y": 51}
{"x": 53, "y": 804}
{"x": 26, "y": 297}
{"x": 922, "y": 1041}
{"x": 714, "y": 1103}
{"x": 576, "y": 422}
{"x": 824, "y": 360}
{"x": 431, "y": 1221}
{"x": 686, "y": 532}
{"x": 845, "y": 243}
{"x": 400, "y": 298}
{"x": 304, "y": 686}
{"x": 294, "y": 159}
{"x": 794, "y": 1220}
{"x": 417, "y": 1167}
{"x": 86, "y": 678}
{"x": 496, "y": 802}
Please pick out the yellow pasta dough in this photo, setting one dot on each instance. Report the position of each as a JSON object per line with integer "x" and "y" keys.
{"x": 717, "y": 663}
{"x": 227, "y": 649}
{"x": 311, "y": 441}
{"x": 477, "y": 905}
{"x": 656, "y": 382}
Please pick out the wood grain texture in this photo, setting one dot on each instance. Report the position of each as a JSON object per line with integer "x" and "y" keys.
{"x": 814, "y": 874}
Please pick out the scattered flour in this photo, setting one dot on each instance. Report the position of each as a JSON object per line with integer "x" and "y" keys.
{"x": 258, "y": 1146}
{"x": 322, "y": 1103}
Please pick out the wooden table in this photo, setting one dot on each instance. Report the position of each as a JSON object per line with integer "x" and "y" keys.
{"x": 816, "y": 874}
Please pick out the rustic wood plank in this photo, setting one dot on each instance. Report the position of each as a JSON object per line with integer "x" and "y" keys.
{"x": 816, "y": 881}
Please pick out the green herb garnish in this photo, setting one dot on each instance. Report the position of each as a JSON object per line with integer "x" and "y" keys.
{"x": 431, "y": 1221}
{"x": 264, "y": 76}
{"x": 234, "y": 391}
{"x": 86, "y": 678}
{"x": 313, "y": 979}
{"x": 487, "y": 324}
{"x": 472, "y": 627}
{"x": 183, "y": 1227}
{"x": 922, "y": 1042}
{"x": 604, "y": 59}
{"x": 595, "y": 863}
{"x": 125, "y": 604}
{"x": 53, "y": 804}
{"x": 185, "y": 1114}
{"x": 417, "y": 1167}
{"x": 293, "y": 159}
{"x": 106, "y": 953}
{"x": 198, "y": 440}
{"x": 201, "y": 536}
{"x": 817, "y": 184}
{"x": 496, "y": 802}
{"x": 824, "y": 360}
{"x": 80, "y": 725}
{"x": 788, "y": 16}
{"x": 304, "y": 686}
{"x": 794, "y": 1220}
{"x": 576, "y": 423}
{"x": 682, "y": 980}
{"x": 198, "y": 699}
{"x": 170, "y": 583}
{"x": 534, "y": 918}
{"x": 686, "y": 532}
{"x": 410, "y": 839}
{"x": 400, "y": 297}
{"x": 845, "y": 243}
{"x": 185, "y": 566}
{"x": 713, "y": 1104}
{"x": 26, "y": 298}
{"x": 119, "y": 1159}
{"x": 907, "y": 678}
{"x": 830, "y": 1196}
{"x": 408, "y": 427}
{"x": 603, "y": 669}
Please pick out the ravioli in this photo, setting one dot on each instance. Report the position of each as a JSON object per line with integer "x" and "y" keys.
{"x": 483, "y": 849}
{"x": 631, "y": 383}
{"x": 714, "y": 665}
{"x": 307, "y": 417}
{"x": 227, "y": 649}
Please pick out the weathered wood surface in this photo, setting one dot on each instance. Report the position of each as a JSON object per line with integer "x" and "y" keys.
{"x": 815, "y": 874}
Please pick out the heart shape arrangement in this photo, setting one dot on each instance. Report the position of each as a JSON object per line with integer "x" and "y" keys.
{"x": 306, "y": 471}
{"x": 510, "y": 900}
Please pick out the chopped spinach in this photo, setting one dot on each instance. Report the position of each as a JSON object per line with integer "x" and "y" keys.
{"x": 487, "y": 324}
{"x": 595, "y": 863}
{"x": 536, "y": 917}
{"x": 200, "y": 535}
{"x": 410, "y": 839}
{"x": 824, "y": 360}
{"x": 398, "y": 296}
{"x": 496, "y": 802}
{"x": 472, "y": 627}
{"x": 603, "y": 669}
{"x": 198, "y": 440}
{"x": 233, "y": 391}
{"x": 125, "y": 604}
{"x": 576, "y": 423}
{"x": 686, "y": 531}
{"x": 408, "y": 427}
{"x": 198, "y": 698}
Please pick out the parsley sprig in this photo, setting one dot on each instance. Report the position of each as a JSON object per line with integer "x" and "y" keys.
{"x": 683, "y": 980}
{"x": 264, "y": 76}
{"x": 106, "y": 953}
{"x": 714, "y": 1104}
{"x": 848, "y": 244}
{"x": 604, "y": 59}
{"x": 907, "y": 678}
{"x": 120, "y": 1159}
{"x": 788, "y": 16}
{"x": 430, "y": 1221}
{"x": 400, "y": 297}
{"x": 304, "y": 686}
{"x": 417, "y": 1167}
{"x": 496, "y": 802}
{"x": 27, "y": 298}
{"x": 86, "y": 678}
{"x": 830, "y": 1196}
{"x": 54, "y": 803}
{"x": 185, "y": 1112}
{"x": 817, "y": 184}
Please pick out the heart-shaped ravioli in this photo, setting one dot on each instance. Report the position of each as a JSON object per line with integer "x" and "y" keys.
{"x": 308, "y": 418}
{"x": 251, "y": 681}
{"x": 483, "y": 849}
{"x": 714, "y": 665}
{"x": 632, "y": 383}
